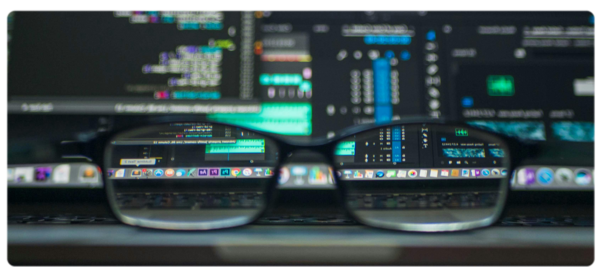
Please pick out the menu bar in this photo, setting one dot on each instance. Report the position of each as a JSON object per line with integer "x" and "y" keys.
{"x": 554, "y": 178}
{"x": 423, "y": 173}
{"x": 77, "y": 175}
{"x": 190, "y": 173}
{"x": 84, "y": 175}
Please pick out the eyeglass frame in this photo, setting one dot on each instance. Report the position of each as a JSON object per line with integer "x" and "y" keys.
{"x": 95, "y": 151}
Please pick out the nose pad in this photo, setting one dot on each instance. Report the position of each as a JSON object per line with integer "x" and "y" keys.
{"x": 306, "y": 169}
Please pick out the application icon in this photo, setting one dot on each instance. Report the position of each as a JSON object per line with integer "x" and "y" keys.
{"x": 10, "y": 174}
{"x": 180, "y": 172}
{"x": 423, "y": 173}
{"x": 268, "y": 172}
{"x": 455, "y": 172}
{"x": 284, "y": 175}
{"x": 368, "y": 173}
{"x": 136, "y": 173}
{"x": 583, "y": 177}
{"x": 496, "y": 172}
{"x": 485, "y": 172}
{"x": 120, "y": 173}
{"x": 42, "y": 173}
{"x": 202, "y": 172}
{"x": 213, "y": 172}
{"x": 169, "y": 172}
{"x": 330, "y": 179}
{"x": 348, "y": 173}
{"x": 191, "y": 172}
{"x": 433, "y": 173}
{"x": 445, "y": 173}
{"x": 62, "y": 173}
{"x": 412, "y": 173}
{"x": 258, "y": 171}
{"x": 248, "y": 172}
{"x": 147, "y": 172}
{"x": 504, "y": 172}
{"x": 390, "y": 174}
{"x": 475, "y": 172}
{"x": 236, "y": 172}
{"x": 159, "y": 172}
{"x": 521, "y": 177}
{"x": 110, "y": 173}
{"x": 24, "y": 174}
{"x": 357, "y": 174}
{"x": 88, "y": 173}
{"x": 379, "y": 174}
{"x": 465, "y": 173}
{"x": 526, "y": 176}
{"x": 564, "y": 175}
{"x": 225, "y": 171}
{"x": 512, "y": 178}
{"x": 316, "y": 176}
{"x": 298, "y": 170}
{"x": 544, "y": 176}
{"x": 402, "y": 173}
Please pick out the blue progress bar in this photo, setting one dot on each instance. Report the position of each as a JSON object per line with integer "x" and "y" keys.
{"x": 382, "y": 87}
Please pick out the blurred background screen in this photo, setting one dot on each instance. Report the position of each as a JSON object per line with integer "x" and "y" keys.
{"x": 301, "y": 74}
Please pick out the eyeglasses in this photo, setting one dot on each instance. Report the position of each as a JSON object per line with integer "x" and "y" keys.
{"x": 413, "y": 176}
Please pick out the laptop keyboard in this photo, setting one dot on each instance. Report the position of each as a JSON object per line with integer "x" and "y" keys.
{"x": 63, "y": 219}
{"x": 560, "y": 221}
{"x": 512, "y": 221}
{"x": 421, "y": 201}
{"x": 189, "y": 200}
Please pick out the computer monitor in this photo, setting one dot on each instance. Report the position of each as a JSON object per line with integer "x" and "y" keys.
{"x": 304, "y": 74}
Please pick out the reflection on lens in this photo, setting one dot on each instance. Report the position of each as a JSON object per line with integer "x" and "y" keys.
{"x": 423, "y": 177}
{"x": 189, "y": 175}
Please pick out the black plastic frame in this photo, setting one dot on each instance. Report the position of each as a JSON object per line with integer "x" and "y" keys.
{"x": 94, "y": 151}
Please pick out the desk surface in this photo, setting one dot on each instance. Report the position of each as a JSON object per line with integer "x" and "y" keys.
{"x": 296, "y": 245}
